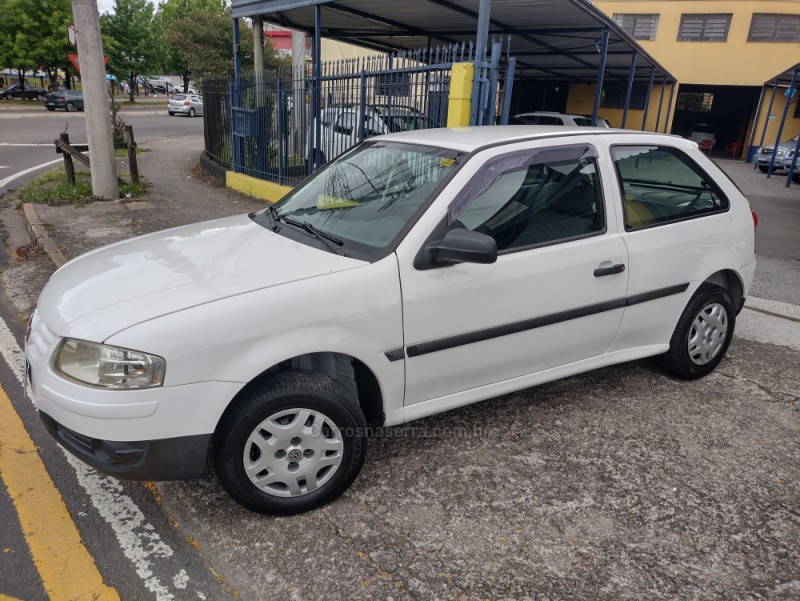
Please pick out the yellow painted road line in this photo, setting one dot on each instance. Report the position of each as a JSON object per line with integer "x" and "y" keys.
{"x": 67, "y": 569}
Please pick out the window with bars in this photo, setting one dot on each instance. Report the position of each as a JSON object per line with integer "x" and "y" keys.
{"x": 774, "y": 28}
{"x": 704, "y": 28}
{"x": 639, "y": 27}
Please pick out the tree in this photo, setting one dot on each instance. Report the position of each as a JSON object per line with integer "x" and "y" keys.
{"x": 33, "y": 35}
{"x": 132, "y": 41}
{"x": 203, "y": 41}
{"x": 172, "y": 11}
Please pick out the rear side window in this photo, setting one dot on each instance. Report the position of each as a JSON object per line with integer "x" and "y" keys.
{"x": 544, "y": 197}
{"x": 663, "y": 185}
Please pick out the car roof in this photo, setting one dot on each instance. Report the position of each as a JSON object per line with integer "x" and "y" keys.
{"x": 468, "y": 139}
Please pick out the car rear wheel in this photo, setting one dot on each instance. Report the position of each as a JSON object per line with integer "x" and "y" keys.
{"x": 763, "y": 168}
{"x": 51, "y": 108}
{"x": 293, "y": 444}
{"x": 70, "y": 107}
{"x": 703, "y": 334}
{"x": 191, "y": 112}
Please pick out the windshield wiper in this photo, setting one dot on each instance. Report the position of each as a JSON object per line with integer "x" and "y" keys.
{"x": 273, "y": 213}
{"x": 323, "y": 237}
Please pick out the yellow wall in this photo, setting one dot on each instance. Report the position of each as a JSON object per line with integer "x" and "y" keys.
{"x": 581, "y": 102}
{"x": 736, "y": 62}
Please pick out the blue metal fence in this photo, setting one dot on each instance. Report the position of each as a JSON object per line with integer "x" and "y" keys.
{"x": 273, "y": 129}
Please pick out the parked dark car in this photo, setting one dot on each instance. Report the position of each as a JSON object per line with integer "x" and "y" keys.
{"x": 28, "y": 93}
{"x": 69, "y": 100}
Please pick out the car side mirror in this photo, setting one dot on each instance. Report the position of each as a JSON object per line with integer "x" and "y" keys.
{"x": 464, "y": 246}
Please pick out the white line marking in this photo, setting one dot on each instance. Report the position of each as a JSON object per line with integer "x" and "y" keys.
{"x": 13, "y": 144}
{"x": 138, "y": 539}
{"x": 11, "y": 178}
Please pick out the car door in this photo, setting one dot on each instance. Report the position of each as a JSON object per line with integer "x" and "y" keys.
{"x": 554, "y": 296}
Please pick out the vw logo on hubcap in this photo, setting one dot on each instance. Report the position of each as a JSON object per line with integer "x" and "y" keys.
{"x": 295, "y": 455}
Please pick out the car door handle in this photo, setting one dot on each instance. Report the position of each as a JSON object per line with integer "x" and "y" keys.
{"x": 601, "y": 271}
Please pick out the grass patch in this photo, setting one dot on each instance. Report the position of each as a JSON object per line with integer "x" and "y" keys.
{"x": 123, "y": 152}
{"x": 52, "y": 188}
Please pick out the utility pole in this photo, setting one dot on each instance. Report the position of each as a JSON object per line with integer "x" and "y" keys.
{"x": 95, "y": 99}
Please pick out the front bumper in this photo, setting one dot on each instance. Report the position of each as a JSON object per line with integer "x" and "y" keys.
{"x": 181, "y": 458}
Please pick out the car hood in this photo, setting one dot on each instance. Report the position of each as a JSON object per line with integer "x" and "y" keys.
{"x": 117, "y": 286}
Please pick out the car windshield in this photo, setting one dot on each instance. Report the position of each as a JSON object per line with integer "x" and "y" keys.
{"x": 368, "y": 196}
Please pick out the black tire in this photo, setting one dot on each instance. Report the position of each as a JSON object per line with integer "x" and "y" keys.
{"x": 711, "y": 307}
{"x": 291, "y": 392}
{"x": 70, "y": 107}
{"x": 171, "y": 113}
{"x": 763, "y": 169}
{"x": 796, "y": 177}
{"x": 51, "y": 108}
{"x": 40, "y": 97}
{"x": 191, "y": 112}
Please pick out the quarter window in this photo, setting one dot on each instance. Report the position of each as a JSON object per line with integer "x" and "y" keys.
{"x": 639, "y": 27}
{"x": 534, "y": 198}
{"x": 663, "y": 185}
{"x": 774, "y": 28}
{"x": 704, "y": 28}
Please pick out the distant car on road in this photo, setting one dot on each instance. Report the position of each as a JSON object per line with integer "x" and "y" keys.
{"x": 69, "y": 100}
{"x": 28, "y": 93}
{"x": 185, "y": 104}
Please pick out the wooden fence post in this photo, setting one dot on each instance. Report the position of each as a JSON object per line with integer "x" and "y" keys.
{"x": 69, "y": 168}
{"x": 132, "y": 154}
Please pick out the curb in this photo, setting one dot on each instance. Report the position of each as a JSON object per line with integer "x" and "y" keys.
{"x": 38, "y": 233}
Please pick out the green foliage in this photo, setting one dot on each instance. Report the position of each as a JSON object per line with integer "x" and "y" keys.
{"x": 52, "y": 188}
{"x": 203, "y": 42}
{"x": 132, "y": 40}
{"x": 33, "y": 34}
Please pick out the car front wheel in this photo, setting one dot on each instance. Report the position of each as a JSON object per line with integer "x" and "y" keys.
{"x": 703, "y": 334}
{"x": 763, "y": 168}
{"x": 293, "y": 444}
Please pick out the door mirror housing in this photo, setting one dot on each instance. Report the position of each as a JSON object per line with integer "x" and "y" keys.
{"x": 464, "y": 246}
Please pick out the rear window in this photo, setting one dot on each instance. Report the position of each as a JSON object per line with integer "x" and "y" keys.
{"x": 663, "y": 185}
{"x": 178, "y": 96}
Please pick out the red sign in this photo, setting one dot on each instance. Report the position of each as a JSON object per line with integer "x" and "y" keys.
{"x": 77, "y": 63}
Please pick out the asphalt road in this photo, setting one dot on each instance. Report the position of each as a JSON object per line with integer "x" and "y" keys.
{"x": 26, "y": 137}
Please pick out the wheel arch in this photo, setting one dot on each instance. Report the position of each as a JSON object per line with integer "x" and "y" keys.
{"x": 732, "y": 282}
{"x": 353, "y": 374}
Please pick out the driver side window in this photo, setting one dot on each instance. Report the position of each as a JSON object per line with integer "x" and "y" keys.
{"x": 547, "y": 200}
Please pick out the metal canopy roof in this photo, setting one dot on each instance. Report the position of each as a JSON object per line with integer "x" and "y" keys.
{"x": 785, "y": 78}
{"x": 554, "y": 39}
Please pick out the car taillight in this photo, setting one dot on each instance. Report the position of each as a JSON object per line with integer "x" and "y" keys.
{"x": 186, "y": 103}
{"x": 755, "y": 219}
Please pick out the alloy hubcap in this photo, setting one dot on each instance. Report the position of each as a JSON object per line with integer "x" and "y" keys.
{"x": 708, "y": 334}
{"x": 293, "y": 452}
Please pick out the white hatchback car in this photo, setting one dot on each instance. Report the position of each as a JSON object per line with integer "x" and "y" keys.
{"x": 185, "y": 104}
{"x": 418, "y": 272}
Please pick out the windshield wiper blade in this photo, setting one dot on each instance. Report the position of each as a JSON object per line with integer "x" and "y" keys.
{"x": 318, "y": 234}
{"x": 273, "y": 213}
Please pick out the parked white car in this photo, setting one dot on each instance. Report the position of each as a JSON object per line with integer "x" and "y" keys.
{"x": 551, "y": 118}
{"x": 417, "y": 273}
{"x": 339, "y": 126}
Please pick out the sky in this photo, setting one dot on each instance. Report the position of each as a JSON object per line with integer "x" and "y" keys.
{"x": 107, "y": 6}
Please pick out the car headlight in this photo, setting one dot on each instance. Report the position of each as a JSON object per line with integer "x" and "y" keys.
{"x": 107, "y": 366}
{"x": 781, "y": 152}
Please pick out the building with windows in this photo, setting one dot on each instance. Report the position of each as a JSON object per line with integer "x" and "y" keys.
{"x": 722, "y": 52}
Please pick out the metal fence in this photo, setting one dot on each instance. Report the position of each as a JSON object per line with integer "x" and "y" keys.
{"x": 267, "y": 125}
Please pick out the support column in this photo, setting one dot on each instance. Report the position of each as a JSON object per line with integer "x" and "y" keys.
{"x": 669, "y": 108}
{"x": 750, "y": 150}
{"x": 237, "y": 59}
{"x": 647, "y": 99}
{"x": 629, "y": 91}
{"x": 601, "y": 72}
{"x": 95, "y": 97}
{"x": 481, "y": 43}
{"x": 783, "y": 122}
{"x": 459, "y": 101}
